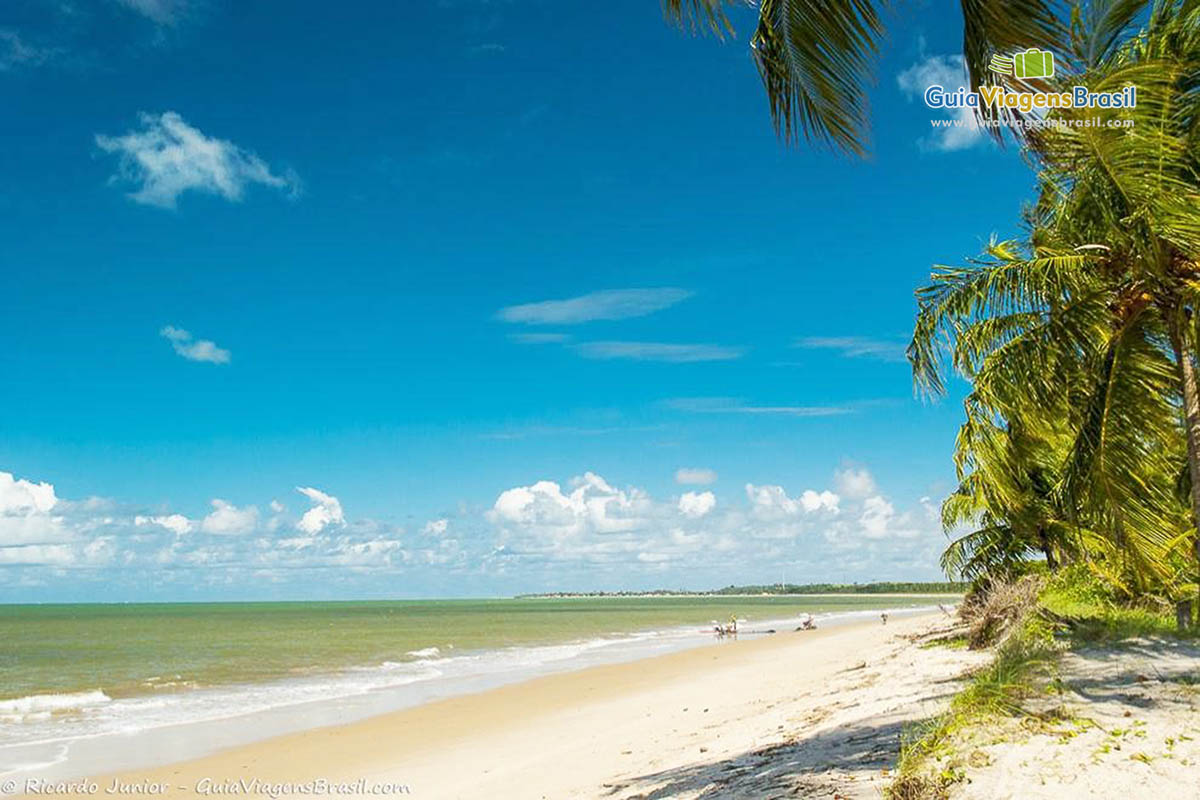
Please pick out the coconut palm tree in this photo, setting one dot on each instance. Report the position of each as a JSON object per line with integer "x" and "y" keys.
{"x": 816, "y": 58}
{"x": 1072, "y": 435}
{"x": 1101, "y": 304}
{"x": 1005, "y": 499}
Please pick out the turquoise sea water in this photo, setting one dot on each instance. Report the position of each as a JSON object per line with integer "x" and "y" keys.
{"x": 96, "y": 688}
{"x": 138, "y": 649}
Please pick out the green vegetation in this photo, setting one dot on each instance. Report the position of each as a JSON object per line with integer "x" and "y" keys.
{"x": 1090, "y": 611}
{"x": 817, "y": 59}
{"x": 1081, "y": 444}
{"x": 1031, "y": 629}
{"x": 995, "y": 691}
{"x": 884, "y": 587}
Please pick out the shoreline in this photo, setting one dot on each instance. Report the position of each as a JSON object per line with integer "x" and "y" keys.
{"x": 145, "y": 730}
{"x": 569, "y": 734}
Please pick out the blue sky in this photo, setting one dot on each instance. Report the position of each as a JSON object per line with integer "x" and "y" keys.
{"x": 483, "y": 277}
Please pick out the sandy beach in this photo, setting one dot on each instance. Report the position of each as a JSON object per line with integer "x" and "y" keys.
{"x": 801, "y": 713}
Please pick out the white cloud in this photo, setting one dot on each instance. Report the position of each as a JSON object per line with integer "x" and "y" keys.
{"x": 227, "y": 519}
{"x": 950, "y": 73}
{"x": 697, "y": 504}
{"x": 37, "y": 554}
{"x": 26, "y": 516}
{"x": 607, "y": 305}
{"x": 276, "y": 506}
{"x": 819, "y": 501}
{"x": 729, "y": 405}
{"x": 593, "y": 506}
{"x": 326, "y": 512}
{"x": 773, "y": 502}
{"x": 436, "y": 527}
{"x": 877, "y": 515}
{"x": 696, "y": 476}
{"x": 19, "y": 496}
{"x": 164, "y": 12}
{"x": 16, "y": 52}
{"x": 584, "y": 533}
{"x": 540, "y": 338}
{"x": 659, "y": 351}
{"x": 194, "y": 349}
{"x": 855, "y": 347}
{"x": 168, "y": 157}
{"x": 176, "y": 523}
{"x": 595, "y": 526}
{"x": 856, "y": 483}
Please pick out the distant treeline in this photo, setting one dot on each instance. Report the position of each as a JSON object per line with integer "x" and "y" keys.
{"x": 783, "y": 588}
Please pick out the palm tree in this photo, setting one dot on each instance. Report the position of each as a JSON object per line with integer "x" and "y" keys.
{"x": 1071, "y": 433}
{"x": 1101, "y": 305}
{"x": 1006, "y": 498}
{"x": 817, "y": 57}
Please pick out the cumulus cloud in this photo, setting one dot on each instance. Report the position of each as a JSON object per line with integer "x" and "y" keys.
{"x": 854, "y": 482}
{"x": 587, "y": 531}
{"x": 773, "y": 502}
{"x": 877, "y": 515}
{"x": 613, "y": 304}
{"x": 697, "y": 504}
{"x": 27, "y": 512}
{"x": 194, "y": 349}
{"x": 950, "y": 73}
{"x": 695, "y": 476}
{"x": 19, "y": 496}
{"x": 601, "y": 526}
{"x": 592, "y": 505}
{"x": 326, "y": 512}
{"x": 168, "y": 157}
{"x": 176, "y": 523}
{"x": 37, "y": 554}
{"x": 228, "y": 519}
{"x": 46, "y": 541}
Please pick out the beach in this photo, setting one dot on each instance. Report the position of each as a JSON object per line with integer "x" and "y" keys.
{"x": 803, "y": 713}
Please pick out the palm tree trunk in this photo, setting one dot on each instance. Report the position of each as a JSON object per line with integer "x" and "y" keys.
{"x": 1181, "y": 342}
{"x": 1047, "y": 550}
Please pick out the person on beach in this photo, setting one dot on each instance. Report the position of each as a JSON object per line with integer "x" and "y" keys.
{"x": 883, "y": 616}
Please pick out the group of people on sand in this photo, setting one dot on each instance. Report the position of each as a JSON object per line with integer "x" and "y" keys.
{"x": 807, "y": 623}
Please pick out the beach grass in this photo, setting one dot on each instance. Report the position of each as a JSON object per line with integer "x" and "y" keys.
{"x": 1072, "y": 610}
{"x": 996, "y": 690}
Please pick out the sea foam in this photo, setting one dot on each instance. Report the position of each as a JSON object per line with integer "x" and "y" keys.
{"x": 41, "y": 705}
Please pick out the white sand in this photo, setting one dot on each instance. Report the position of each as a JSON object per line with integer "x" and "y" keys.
{"x": 1125, "y": 726}
{"x": 813, "y": 714}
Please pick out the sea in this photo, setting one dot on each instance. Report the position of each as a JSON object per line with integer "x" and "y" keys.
{"x": 96, "y": 688}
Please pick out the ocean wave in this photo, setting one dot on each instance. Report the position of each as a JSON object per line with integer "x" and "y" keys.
{"x": 428, "y": 652}
{"x": 329, "y": 698}
{"x": 41, "y": 705}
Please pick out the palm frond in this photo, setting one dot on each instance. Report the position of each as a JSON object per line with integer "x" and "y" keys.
{"x": 700, "y": 15}
{"x": 816, "y": 60}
